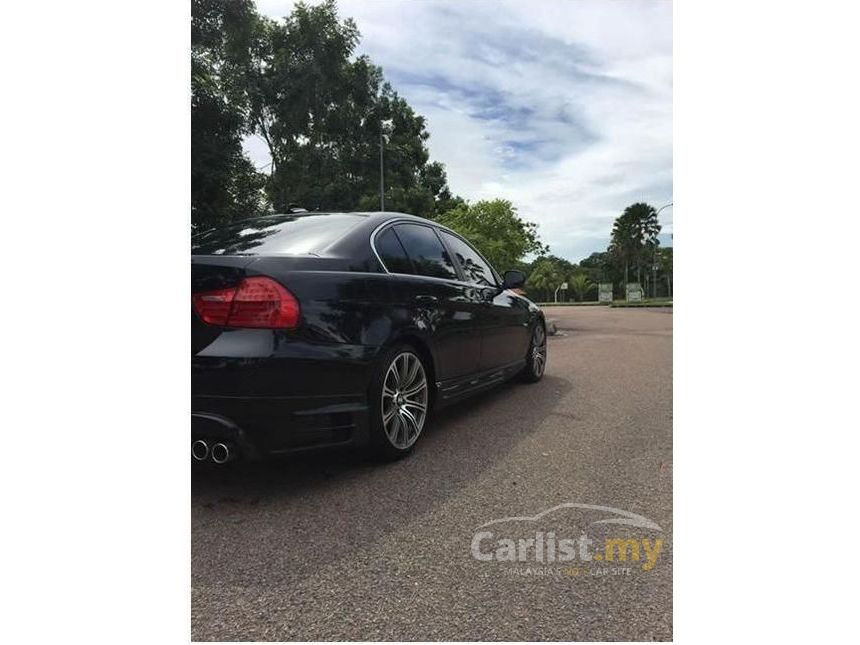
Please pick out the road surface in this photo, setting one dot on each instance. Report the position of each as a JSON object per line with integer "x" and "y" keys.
{"x": 334, "y": 548}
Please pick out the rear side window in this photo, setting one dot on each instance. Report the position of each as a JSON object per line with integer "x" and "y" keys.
{"x": 426, "y": 251}
{"x": 473, "y": 265}
{"x": 276, "y": 235}
{"x": 392, "y": 253}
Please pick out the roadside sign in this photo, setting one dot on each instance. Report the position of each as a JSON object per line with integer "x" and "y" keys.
{"x": 604, "y": 292}
{"x": 563, "y": 286}
{"x": 634, "y": 292}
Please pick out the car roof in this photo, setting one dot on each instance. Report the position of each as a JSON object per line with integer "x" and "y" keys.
{"x": 350, "y": 243}
{"x": 373, "y": 215}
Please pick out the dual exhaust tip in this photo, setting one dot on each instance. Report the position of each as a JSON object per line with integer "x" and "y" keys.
{"x": 219, "y": 453}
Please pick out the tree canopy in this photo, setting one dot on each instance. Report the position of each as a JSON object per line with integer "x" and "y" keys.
{"x": 544, "y": 278}
{"x": 224, "y": 183}
{"x": 580, "y": 285}
{"x": 496, "y": 230}
{"x": 321, "y": 111}
{"x": 634, "y": 236}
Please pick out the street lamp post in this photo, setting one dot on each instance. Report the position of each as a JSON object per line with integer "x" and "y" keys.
{"x": 384, "y": 127}
{"x": 381, "y": 174}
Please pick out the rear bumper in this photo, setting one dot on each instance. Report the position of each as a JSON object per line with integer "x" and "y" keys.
{"x": 261, "y": 426}
{"x": 271, "y": 392}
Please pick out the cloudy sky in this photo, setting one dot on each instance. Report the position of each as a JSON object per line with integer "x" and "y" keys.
{"x": 562, "y": 106}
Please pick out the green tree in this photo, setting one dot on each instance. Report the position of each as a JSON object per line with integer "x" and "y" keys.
{"x": 599, "y": 267}
{"x": 321, "y": 112}
{"x": 224, "y": 183}
{"x": 297, "y": 84}
{"x": 563, "y": 270}
{"x": 544, "y": 279}
{"x": 564, "y": 267}
{"x": 496, "y": 230}
{"x": 581, "y": 286}
{"x": 634, "y": 238}
{"x": 664, "y": 264}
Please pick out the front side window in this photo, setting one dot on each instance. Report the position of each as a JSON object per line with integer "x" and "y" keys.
{"x": 473, "y": 265}
{"x": 426, "y": 251}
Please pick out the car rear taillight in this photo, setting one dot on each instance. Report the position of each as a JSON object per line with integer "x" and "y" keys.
{"x": 255, "y": 302}
{"x": 213, "y": 307}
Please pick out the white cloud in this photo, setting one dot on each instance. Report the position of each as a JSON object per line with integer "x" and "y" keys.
{"x": 565, "y": 108}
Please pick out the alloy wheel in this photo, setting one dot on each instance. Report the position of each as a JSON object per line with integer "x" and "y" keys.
{"x": 538, "y": 350}
{"x": 404, "y": 400}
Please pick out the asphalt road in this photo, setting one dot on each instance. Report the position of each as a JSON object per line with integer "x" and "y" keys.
{"x": 335, "y": 548}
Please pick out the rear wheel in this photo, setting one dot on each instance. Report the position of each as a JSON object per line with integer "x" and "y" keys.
{"x": 536, "y": 357}
{"x": 399, "y": 402}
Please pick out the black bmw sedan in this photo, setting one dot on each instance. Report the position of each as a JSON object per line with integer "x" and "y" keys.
{"x": 317, "y": 330}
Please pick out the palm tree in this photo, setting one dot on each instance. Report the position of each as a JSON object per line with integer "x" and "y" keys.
{"x": 633, "y": 233}
{"x": 544, "y": 278}
{"x": 581, "y": 286}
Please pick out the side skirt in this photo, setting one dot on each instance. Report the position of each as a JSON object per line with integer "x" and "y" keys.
{"x": 454, "y": 389}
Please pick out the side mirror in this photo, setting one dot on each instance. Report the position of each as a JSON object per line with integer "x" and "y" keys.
{"x": 514, "y": 280}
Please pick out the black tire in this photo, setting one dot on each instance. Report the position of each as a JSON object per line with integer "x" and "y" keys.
{"x": 536, "y": 356}
{"x": 395, "y": 402}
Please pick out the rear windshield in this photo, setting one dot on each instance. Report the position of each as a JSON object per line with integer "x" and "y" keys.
{"x": 276, "y": 235}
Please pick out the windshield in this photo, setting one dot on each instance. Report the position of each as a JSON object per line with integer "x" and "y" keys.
{"x": 276, "y": 235}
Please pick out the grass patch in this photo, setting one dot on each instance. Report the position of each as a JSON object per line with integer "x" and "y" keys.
{"x": 656, "y": 302}
{"x": 660, "y": 302}
{"x": 590, "y": 303}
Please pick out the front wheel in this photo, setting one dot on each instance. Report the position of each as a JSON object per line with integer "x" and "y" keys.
{"x": 399, "y": 402}
{"x": 536, "y": 357}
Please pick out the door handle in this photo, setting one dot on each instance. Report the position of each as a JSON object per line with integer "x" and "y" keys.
{"x": 426, "y": 299}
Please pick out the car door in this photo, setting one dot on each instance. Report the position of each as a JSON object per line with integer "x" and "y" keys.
{"x": 429, "y": 285}
{"x": 503, "y": 316}
{"x": 510, "y": 341}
